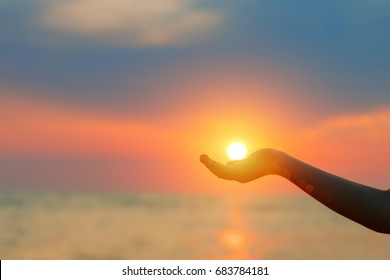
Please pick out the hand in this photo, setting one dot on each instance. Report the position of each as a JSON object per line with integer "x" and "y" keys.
{"x": 365, "y": 205}
{"x": 258, "y": 164}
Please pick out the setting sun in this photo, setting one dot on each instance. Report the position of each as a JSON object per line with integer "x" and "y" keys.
{"x": 236, "y": 151}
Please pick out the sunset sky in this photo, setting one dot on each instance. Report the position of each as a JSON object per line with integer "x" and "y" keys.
{"x": 125, "y": 95}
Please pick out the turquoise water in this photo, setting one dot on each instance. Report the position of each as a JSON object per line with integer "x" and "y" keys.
{"x": 50, "y": 225}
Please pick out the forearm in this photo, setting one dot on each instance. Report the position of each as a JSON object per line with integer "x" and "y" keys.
{"x": 365, "y": 205}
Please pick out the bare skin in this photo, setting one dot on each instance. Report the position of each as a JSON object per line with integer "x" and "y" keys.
{"x": 367, "y": 206}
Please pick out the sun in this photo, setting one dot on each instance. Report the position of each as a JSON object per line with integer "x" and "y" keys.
{"x": 236, "y": 151}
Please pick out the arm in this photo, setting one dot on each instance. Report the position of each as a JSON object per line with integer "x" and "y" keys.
{"x": 365, "y": 205}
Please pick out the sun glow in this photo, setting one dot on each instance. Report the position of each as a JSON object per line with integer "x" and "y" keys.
{"x": 236, "y": 151}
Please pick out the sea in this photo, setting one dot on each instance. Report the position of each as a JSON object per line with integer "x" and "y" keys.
{"x": 165, "y": 226}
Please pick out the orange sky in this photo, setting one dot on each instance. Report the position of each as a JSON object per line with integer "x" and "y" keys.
{"x": 128, "y": 94}
{"x": 161, "y": 151}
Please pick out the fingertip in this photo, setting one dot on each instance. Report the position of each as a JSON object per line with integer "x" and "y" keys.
{"x": 204, "y": 158}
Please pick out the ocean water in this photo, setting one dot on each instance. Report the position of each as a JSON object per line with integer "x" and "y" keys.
{"x": 104, "y": 225}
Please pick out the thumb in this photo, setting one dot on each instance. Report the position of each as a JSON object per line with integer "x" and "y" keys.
{"x": 233, "y": 162}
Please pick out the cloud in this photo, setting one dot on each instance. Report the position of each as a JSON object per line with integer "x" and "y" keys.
{"x": 129, "y": 22}
{"x": 371, "y": 128}
{"x": 363, "y": 121}
{"x": 37, "y": 127}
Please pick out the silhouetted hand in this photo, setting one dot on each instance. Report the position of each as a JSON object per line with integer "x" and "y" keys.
{"x": 257, "y": 165}
{"x": 365, "y": 205}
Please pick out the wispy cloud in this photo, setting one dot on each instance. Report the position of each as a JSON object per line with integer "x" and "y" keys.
{"x": 37, "y": 127}
{"x": 369, "y": 120}
{"x": 365, "y": 129}
{"x": 129, "y": 22}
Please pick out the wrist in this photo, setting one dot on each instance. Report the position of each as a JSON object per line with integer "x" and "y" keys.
{"x": 278, "y": 164}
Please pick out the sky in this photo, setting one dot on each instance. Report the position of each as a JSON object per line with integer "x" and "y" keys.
{"x": 125, "y": 95}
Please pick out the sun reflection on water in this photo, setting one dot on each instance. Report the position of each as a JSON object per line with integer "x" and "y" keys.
{"x": 236, "y": 238}
{"x": 237, "y": 242}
